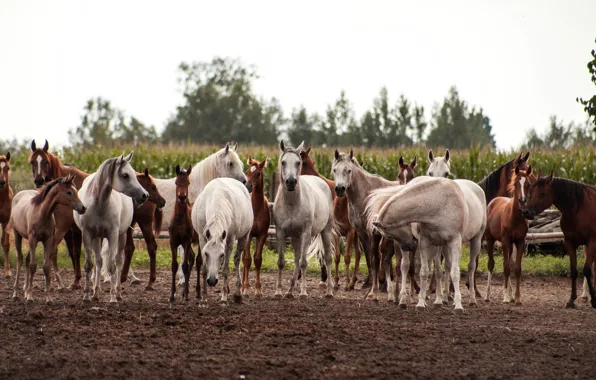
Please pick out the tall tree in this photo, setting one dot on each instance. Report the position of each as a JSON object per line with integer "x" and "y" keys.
{"x": 590, "y": 104}
{"x": 419, "y": 124}
{"x": 219, "y": 105}
{"x": 403, "y": 122}
{"x": 302, "y": 127}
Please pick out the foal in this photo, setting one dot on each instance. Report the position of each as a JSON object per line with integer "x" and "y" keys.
{"x": 506, "y": 224}
{"x": 33, "y": 219}
{"x": 183, "y": 234}
{"x": 5, "y": 208}
{"x": 260, "y": 225}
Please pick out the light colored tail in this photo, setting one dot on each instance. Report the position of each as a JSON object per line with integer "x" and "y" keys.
{"x": 317, "y": 247}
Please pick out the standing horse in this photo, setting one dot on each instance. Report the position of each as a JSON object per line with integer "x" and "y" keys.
{"x": 47, "y": 167}
{"x": 183, "y": 234}
{"x": 356, "y": 184}
{"x": 496, "y": 183}
{"x": 5, "y": 209}
{"x": 507, "y": 225}
{"x": 340, "y": 212}
{"x": 260, "y": 226}
{"x": 303, "y": 211}
{"x": 405, "y": 172}
{"x": 446, "y": 213}
{"x": 33, "y": 219}
{"x": 577, "y": 203}
{"x": 109, "y": 214}
{"x": 222, "y": 215}
{"x": 149, "y": 217}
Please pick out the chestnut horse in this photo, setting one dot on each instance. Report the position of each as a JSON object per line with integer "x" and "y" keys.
{"x": 340, "y": 211}
{"x": 577, "y": 203}
{"x": 495, "y": 183}
{"x": 149, "y": 217}
{"x": 183, "y": 234}
{"x": 5, "y": 207}
{"x": 260, "y": 225}
{"x": 507, "y": 225}
{"x": 47, "y": 167}
{"x": 33, "y": 219}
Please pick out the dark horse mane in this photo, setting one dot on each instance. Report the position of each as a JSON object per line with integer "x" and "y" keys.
{"x": 45, "y": 190}
{"x": 567, "y": 192}
{"x": 491, "y": 183}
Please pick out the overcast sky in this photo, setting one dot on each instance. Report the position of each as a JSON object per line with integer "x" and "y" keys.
{"x": 520, "y": 60}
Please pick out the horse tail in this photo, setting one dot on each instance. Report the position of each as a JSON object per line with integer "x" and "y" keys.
{"x": 316, "y": 247}
{"x": 157, "y": 221}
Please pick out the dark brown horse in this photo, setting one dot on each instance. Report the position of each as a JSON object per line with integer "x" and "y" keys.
{"x": 46, "y": 167}
{"x": 5, "y": 208}
{"x": 577, "y": 203}
{"x": 340, "y": 210}
{"x": 505, "y": 223}
{"x": 183, "y": 234}
{"x": 149, "y": 217}
{"x": 260, "y": 225}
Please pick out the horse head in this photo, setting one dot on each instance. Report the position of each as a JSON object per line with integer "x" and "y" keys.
{"x": 540, "y": 196}
{"x": 148, "y": 184}
{"x": 182, "y": 183}
{"x": 228, "y": 164}
{"x": 214, "y": 249}
{"x": 255, "y": 174}
{"x": 439, "y": 166}
{"x": 520, "y": 185}
{"x": 41, "y": 164}
{"x": 406, "y": 171}
{"x": 124, "y": 179}
{"x": 342, "y": 171}
{"x": 4, "y": 169}
{"x": 289, "y": 165}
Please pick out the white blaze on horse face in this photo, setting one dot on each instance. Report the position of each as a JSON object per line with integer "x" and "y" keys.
{"x": 38, "y": 165}
{"x": 406, "y": 177}
{"x": 2, "y": 165}
{"x": 522, "y": 182}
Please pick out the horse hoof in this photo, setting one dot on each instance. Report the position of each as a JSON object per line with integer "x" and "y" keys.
{"x": 322, "y": 285}
{"x": 403, "y": 306}
{"x": 438, "y": 305}
{"x": 420, "y": 307}
{"x": 74, "y": 286}
{"x": 518, "y": 303}
{"x": 49, "y": 302}
{"x": 288, "y": 295}
{"x": 303, "y": 296}
{"x": 347, "y": 288}
{"x": 473, "y": 304}
{"x": 86, "y": 299}
{"x": 29, "y": 300}
{"x": 487, "y": 300}
{"x": 458, "y": 310}
{"x": 246, "y": 295}
{"x": 258, "y": 294}
{"x": 237, "y": 298}
{"x": 327, "y": 296}
{"x": 15, "y": 298}
{"x": 593, "y": 303}
{"x": 8, "y": 275}
{"x": 570, "y": 305}
{"x": 278, "y": 295}
{"x": 135, "y": 282}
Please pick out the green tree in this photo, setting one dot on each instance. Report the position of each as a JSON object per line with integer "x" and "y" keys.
{"x": 403, "y": 122}
{"x": 590, "y": 104}
{"x": 419, "y": 124}
{"x": 219, "y": 105}
{"x": 303, "y": 127}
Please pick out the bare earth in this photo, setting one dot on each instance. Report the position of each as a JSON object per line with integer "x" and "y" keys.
{"x": 346, "y": 337}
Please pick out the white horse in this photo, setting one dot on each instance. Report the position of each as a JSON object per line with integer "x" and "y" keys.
{"x": 445, "y": 213}
{"x": 109, "y": 214}
{"x": 441, "y": 167}
{"x": 303, "y": 211}
{"x": 221, "y": 216}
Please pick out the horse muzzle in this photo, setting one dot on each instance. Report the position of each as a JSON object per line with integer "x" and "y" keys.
{"x": 212, "y": 281}
{"x": 528, "y": 214}
{"x": 161, "y": 202}
{"x": 182, "y": 198}
{"x": 81, "y": 209}
{"x": 141, "y": 199}
{"x": 249, "y": 187}
{"x": 2, "y": 185}
{"x": 38, "y": 182}
{"x": 340, "y": 190}
{"x": 291, "y": 184}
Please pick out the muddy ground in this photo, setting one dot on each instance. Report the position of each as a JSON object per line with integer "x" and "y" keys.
{"x": 345, "y": 337}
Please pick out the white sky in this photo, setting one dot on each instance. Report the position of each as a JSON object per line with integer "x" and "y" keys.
{"x": 520, "y": 60}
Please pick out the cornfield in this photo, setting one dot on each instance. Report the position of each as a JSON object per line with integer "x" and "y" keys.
{"x": 576, "y": 163}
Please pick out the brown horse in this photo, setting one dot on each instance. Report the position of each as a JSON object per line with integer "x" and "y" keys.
{"x": 577, "y": 203}
{"x": 183, "y": 234}
{"x": 33, "y": 219}
{"x": 340, "y": 210}
{"x": 505, "y": 223}
{"x": 495, "y": 183}
{"x": 405, "y": 171}
{"x": 47, "y": 167}
{"x": 149, "y": 218}
{"x": 5, "y": 208}
{"x": 260, "y": 225}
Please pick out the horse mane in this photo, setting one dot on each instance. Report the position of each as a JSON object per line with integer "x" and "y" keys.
{"x": 206, "y": 170}
{"x": 221, "y": 211}
{"x": 45, "y": 190}
{"x": 567, "y": 192}
{"x": 101, "y": 185}
{"x": 491, "y": 183}
{"x": 375, "y": 202}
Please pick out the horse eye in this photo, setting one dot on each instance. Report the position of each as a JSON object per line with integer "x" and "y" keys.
{"x": 430, "y": 174}
{"x": 349, "y": 171}
{"x": 297, "y": 163}
{"x": 231, "y": 164}
{"x": 153, "y": 187}
{"x": 125, "y": 175}
{"x": 69, "y": 193}
{"x": 283, "y": 163}
{"x": 258, "y": 174}
{"x": 446, "y": 175}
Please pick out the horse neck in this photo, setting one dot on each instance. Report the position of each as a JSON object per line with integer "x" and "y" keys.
{"x": 257, "y": 196}
{"x": 202, "y": 173}
{"x": 290, "y": 198}
{"x": 361, "y": 185}
{"x": 5, "y": 194}
{"x": 47, "y": 206}
{"x": 181, "y": 212}
{"x": 69, "y": 170}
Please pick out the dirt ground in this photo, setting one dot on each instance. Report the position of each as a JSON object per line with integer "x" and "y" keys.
{"x": 346, "y": 337}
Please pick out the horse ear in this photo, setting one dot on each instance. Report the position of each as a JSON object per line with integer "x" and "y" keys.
{"x": 351, "y": 154}
{"x": 7, "y": 156}
{"x": 223, "y": 235}
{"x": 129, "y": 156}
{"x": 264, "y": 163}
{"x": 539, "y": 174}
{"x": 248, "y": 160}
{"x": 177, "y": 169}
{"x": 235, "y": 147}
{"x": 526, "y": 157}
{"x": 46, "y": 146}
{"x": 33, "y": 146}
{"x": 549, "y": 178}
{"x": 447, "y": 155}
{"x": 413, "y": 163}
{"x": 208, "y": 234}
{"x": 300, "y": 147}
{"x": 401, "y": 161}
{"x": 431, "y": 157}
{"x": 189, "y": 170}
{"x": 282, "y": 147}
{"x": 337, "y": 154}
{"x": 529, "y": 171}
{"x": 227, "y": 148}
{"x": 308, "y": 149}
{"x": 146, "y": 172}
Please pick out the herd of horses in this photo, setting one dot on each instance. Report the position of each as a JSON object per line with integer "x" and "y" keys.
{"x": 218, "y": 205}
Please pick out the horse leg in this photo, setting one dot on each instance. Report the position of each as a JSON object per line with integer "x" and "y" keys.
{"x": 424, "y": 247}
{"x": 281, "y": 262}
{"x": 590, "y": 252}
{"x": 113, "y": 252}
{"x": 174, "y": 249}
{"x": 507, "y": 248}
{"x": 301, "y": 254}
{"x": 75, "y": 241}
{"x": 97, "y": 250}
{"x": 225, "y": 272}
{"x": 129, "y": 249}
{"x": 453, "y": 250}
{"x": 375, "y": 265}
{"x": 521, "y": 247}
{"x": 198, "y": 264}
{"x": 404, "y": 267}
{"x": 447, "y": 278}
{"x": 437, "y": 275}
{"x": 118, "y": 260}
{"x": 59, "y": 234}
{"x": 6, "y": 247}
{"x": 475, "y": 244}
{"x": 337, "y": 253}
{"x": 412, "y": 273}
{"x": 357, "y": 256}
{"x": 327, "y": 236}
{"x": 186, "y": 260}
{"x": 242, "y": 244}
{"x": 18, "y": 244}
{"x": 259, "y": 244}
{"x": 368, "y": 258}
{"x": 398, "y": 259}
{"x": 490, "y": 247}
{"x": 32, "y": 268}
{"x": 572, "y": 252}
{"x": 297, "y": 247}
{"x": 387, "y": 253}
{"x": 48, "y": 251}
{"x": 246, "y": 262}
{"x": 348, "y": 258}
{"x": 87, "y": 242}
